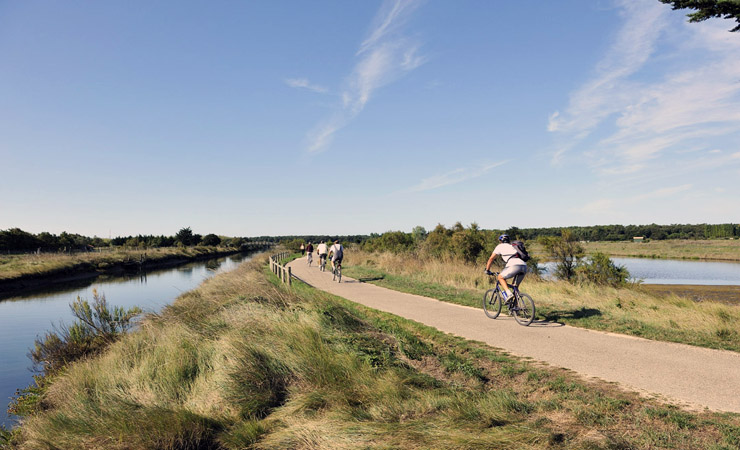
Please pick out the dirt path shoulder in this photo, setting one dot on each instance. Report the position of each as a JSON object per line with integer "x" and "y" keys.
{"x": 690, "y": 376}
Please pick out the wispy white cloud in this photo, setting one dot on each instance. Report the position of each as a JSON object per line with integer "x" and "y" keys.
{"x": 305, "y": 84}
{"x": 640, "y": 112}
{"x": 383, "y": 57}
{"x": 616, "y": 206}
{"x": 606, "y": 93}
{"x": 453, "y": 177}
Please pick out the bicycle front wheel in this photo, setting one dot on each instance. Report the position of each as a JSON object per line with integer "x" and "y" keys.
{"x": 492, "y": 303}
{"x": 524, "y": 311}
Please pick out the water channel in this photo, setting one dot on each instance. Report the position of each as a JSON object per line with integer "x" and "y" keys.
{"x": 25, "y": 317}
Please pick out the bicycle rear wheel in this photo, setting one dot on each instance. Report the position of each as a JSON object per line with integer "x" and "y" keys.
{"x": 492, "y": 303}
{"x": 339, "y": 274}
{"x": 524, "y": 310}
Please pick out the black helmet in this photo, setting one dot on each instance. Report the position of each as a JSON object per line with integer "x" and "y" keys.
{"x": 504, "y": 238}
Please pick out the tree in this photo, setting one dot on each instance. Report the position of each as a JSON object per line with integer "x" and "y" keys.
{"x": 706, "y": 9}
{"x": 211, "y": 240}
{"x": 185, "y": 237}
{"x": 419, "y": 233}
{"x": 566, "y": 251}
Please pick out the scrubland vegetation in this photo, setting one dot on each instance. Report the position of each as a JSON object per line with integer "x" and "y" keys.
{"x": 246, "y": 362}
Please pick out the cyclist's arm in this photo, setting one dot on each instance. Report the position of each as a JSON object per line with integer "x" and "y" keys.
{"x": 490, "y": 261}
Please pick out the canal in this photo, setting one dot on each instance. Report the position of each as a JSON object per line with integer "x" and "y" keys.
{"x": 23, "y": 318}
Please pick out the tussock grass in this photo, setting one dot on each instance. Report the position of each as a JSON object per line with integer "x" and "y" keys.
{"x": 246, "y": 362}
{"x": 631, "y": 310}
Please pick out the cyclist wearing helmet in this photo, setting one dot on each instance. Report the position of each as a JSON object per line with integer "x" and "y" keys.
{"x": 514, "y": 267}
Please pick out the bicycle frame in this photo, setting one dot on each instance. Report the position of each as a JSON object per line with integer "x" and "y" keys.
{"x": 520, "y": 305}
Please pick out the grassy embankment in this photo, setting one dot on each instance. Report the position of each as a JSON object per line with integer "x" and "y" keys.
{"x": 47, "y": 265}
{"x": 632, "y": 310}
{"x": 244, "y": 362}
{"x": 711, "y": 249}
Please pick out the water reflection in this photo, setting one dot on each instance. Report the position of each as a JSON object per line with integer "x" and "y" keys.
{"x": 25, "y": 317}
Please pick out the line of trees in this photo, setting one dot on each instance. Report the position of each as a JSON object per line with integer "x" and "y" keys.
{"x": 17, "y": 240}
{"x": 627, "y": 232}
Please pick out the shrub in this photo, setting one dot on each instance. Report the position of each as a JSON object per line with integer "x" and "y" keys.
{"x": 599, "y": 269}
{"x": 97, "y": 327}
{"x": 211, "y": 240}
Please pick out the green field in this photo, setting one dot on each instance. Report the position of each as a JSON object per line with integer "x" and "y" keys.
{"x": 246, "y": 362}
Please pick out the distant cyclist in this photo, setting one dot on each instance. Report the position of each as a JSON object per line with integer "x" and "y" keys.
{"x": 309, "y": 253}
{"x": 337, "y": 253}
{"x": 514, "y": 267}
{"x": 322, "y": 250}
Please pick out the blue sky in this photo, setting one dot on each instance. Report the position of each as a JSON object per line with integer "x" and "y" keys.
{"x": 249, "y": 118}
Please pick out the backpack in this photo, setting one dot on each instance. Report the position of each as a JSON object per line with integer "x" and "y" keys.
{"x": 521, "y": 252}
{"x": 339, "y": 251}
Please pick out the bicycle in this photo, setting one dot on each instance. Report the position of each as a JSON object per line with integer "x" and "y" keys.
{"x": 322, "y": 262}
{"x": 310, "y": 259}
{"x": 337, "y": 272}
{"x": 520, "y": 305}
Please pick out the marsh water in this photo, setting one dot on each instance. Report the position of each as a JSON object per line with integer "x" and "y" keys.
{"x": 668, "y": 271}
{"x": 23, "y": 318}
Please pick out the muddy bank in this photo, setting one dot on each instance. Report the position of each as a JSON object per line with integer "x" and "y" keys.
{"x": 85, "y": 272}
{"x": 698, "y": 293}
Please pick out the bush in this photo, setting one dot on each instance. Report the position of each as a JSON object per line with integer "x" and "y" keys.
{"x": 97, "y": 327}
{"x": 599, "y": 269}
{"x": 211, "y": 240}
{"x": 566, "y": 251}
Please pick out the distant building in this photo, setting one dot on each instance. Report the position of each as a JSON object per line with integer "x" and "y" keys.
{"x": 638, "y": 239}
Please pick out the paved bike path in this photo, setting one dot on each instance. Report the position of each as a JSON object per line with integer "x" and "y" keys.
{"x": 687, "y": 375}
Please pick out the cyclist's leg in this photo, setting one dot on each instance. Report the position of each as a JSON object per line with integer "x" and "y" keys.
{"x": 507, "y": 272}
{"x": 519, "y": 277}
{"x": 511, "y": 272}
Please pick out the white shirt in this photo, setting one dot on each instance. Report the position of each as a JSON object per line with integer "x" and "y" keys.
{"x": 321, "y": 248}
{"x": 507, "y": 251}
{"x": 336, "y": 248}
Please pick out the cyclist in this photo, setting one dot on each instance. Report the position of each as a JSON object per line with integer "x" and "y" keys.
{"x": 322, "y": 250}
{"x": 309, "y": 253}
{"x": 337, "y": 253}
{"x": 514, "y": 267}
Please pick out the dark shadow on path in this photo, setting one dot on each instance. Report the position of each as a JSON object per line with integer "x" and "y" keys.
{"x": 581, "y": 313}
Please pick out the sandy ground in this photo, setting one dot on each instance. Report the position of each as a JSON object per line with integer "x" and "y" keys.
{"x": 688, "y": 376}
